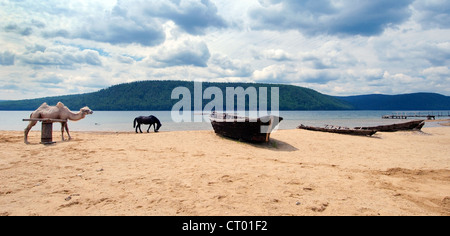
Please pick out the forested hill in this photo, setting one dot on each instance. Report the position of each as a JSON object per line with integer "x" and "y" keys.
{"x": 156, "y": 96}
{"x": 415, "y": 101}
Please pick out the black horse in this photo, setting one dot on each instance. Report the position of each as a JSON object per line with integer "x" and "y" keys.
{"x": 147, "y": 120}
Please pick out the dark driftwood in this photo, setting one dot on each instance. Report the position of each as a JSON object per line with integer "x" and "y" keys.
{"x": 411, "y": 125}
{"x": 244, "y": 128}
{"x": 340, "y": 130}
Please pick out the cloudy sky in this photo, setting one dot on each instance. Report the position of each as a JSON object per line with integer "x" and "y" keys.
{"x": 337, "y": 47}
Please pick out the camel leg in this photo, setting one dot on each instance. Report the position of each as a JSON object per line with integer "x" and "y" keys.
{"x": 62, "y": 130}
{"x": 67, "y": 129}
{"x": 27, "y": 130}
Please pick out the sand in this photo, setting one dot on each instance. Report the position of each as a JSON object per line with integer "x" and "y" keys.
{"x": 199, "y": 173}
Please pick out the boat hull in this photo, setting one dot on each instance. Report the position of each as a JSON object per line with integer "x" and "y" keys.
{"x": 243, "y": 128}
{"x": 415, "y": 125}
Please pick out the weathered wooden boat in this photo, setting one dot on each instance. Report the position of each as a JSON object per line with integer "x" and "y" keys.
{"x": 244, "y": 128}
{"x": 414, "y": 125}
{"x": 339, "y": 130}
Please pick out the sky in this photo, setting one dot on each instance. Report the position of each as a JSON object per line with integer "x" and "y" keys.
{"x": 337, "y": 47}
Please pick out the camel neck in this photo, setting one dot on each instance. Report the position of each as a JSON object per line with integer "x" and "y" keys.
{"x": 76, "y": 116}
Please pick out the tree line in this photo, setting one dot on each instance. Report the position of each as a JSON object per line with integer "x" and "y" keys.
{"x": 156, "y": 96}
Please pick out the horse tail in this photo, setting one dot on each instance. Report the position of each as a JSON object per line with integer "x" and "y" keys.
{"x": 134, "y": 123}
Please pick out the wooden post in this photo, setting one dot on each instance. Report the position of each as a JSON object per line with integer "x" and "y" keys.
{"x": 47, "y": 133}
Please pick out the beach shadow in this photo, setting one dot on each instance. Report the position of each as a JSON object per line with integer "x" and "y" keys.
{"x": 420, "y": 132}
{"x": 277, "y": 146}
{"x": 375, "y": 136}
{"x": 272, "y": 145}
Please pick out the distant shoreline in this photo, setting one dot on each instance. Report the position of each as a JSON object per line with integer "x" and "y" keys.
{"x": 156, "y": 95}
{"x": 122, "y": 121}
{"x": 132, "y": 131}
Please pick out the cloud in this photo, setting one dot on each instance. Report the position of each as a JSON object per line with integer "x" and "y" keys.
{"x": 435, "y": 75}
{"x": 275, "y": 55}
{"x": 141, "y": 22}
{"x": 50, "y": 79}
{"x": 398, "y": 50}
{"x": 331, "y": 55}
{"x": 438, "y": 54}
{"x": 116, "y": 27}
{"x": 7, "y": 58}
{"x": 275, "y": 74}
{"x": 193, "y": 16}
{"x": 120, "y": 27}
{"x": 63, "y": 56}
{"x": 433, "y": 13}
{"x": 339, "y": 47}
{"x": 314, "y": 17}
{"x": 91, "y": 81}
{"x": 125, "y": 59}
{"x": 36, "y": 48}
{"x": 24, "y": 31}
{"x": 185, "y": 52}
{"x": 224, "y": 66}
{"x": 442, "y": 70}
{"x": 292, "y": 73}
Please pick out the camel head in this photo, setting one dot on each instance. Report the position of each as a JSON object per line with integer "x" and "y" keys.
{"x": 86, "y": 111}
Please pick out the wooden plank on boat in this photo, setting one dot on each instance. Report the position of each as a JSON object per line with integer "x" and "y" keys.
{"x": 339, "y": 130}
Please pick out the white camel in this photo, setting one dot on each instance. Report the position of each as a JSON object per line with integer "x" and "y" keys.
{"x": 60, "y": 112}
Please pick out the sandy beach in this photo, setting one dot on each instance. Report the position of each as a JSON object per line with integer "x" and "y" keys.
{"x": 199, "y": 173}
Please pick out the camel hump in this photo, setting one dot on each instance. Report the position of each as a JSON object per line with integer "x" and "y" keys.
{"x": 44, "y": 105}
{"x": 60, "y": 105}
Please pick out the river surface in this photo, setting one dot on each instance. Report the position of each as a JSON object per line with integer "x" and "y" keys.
{"x": 122, "y": 121}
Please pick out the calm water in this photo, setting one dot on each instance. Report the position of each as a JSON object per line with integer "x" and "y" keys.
{"x": 122, "y": 121}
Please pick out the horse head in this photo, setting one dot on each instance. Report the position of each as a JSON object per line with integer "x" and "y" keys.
{"x": 158, "y": 126}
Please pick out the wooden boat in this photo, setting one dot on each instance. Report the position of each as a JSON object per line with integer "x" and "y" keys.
{"x": 244, "y": 128}
{"x": 411, "y": 125}
{"x": 339, "y": 130}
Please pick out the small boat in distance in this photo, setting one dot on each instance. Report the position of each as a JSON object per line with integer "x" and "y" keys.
{"x": 244, "y": 128}
{"x": 339, "y": 130}
{"x": 414, "y": 125}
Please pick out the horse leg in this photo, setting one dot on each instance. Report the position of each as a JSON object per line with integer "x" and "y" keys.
{"x": 139, "y": 125}
{"x": 27, "y": 130}
{"x": 148, "y": 130}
